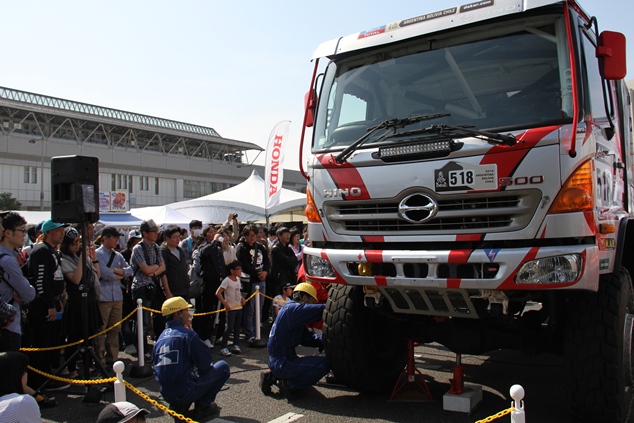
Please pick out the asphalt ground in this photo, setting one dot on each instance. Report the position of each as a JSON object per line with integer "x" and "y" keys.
{"x": 242, "y": 401}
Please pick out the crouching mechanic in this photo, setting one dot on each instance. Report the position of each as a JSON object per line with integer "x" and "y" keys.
{"x": 183, "y": 365}
{"x": 290, "y": 372}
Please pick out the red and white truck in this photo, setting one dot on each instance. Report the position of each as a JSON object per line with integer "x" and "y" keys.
{"x": 467, "y": 164}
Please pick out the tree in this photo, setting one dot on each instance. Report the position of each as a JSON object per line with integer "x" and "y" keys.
{"x": 7, "y": 202}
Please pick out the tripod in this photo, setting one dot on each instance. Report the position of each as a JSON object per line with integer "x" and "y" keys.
{"x": 86, "y": 348}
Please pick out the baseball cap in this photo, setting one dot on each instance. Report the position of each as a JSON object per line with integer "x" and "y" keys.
{"x": 135, "y": 234}
{"x": 49, "y": 225}
{"x": 288, "y": 286}
{"x": 70, "y": 234}
{"x": 148, "y": 226}
{"x": 110, "y": 231}
{"x": 38, "y": 227}
{"x": 119, "y": 412}
{"x": 174, "y": 304}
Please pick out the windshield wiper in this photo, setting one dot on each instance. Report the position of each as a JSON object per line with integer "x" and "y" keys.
{"x": 450, "y": 131}
{"x": 390, "y": 123}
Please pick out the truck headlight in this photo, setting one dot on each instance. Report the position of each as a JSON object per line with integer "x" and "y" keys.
{"x": 560, "y": 269}
{"x": 317, "y": 266}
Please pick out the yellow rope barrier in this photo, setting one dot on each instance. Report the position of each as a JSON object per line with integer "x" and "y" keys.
{"x": 59, "y": 347}
{"x": 74, "y": 381}
{"x": 497, "y": 416}
{"x": 157, "y": 404}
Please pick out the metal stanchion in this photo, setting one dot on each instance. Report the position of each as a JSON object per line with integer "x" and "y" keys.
{"x": 517, "y": 415}
{"x": 257, "y": 312}
{"x": 140, "y": 369}
{"x": 119, "y": 386}
{"x": 257, "y": 343}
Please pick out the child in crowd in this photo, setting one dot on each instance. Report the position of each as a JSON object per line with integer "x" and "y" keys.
{"x": 284, "y": 298}
{"x": 229, "y": 295}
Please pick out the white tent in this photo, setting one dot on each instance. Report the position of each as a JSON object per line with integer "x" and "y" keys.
{"x": 108, "y": 219}
{"x": 245, "y": 199}
{"x": 162, "y": 216}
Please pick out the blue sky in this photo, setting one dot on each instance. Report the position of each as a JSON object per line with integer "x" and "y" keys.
{"x": 238, "y": 67}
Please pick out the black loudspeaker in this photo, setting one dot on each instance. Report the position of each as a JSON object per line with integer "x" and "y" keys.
{"x": 75, "y": 189}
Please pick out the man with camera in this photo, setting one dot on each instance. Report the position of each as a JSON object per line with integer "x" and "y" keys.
{"x": 148, "y": 265}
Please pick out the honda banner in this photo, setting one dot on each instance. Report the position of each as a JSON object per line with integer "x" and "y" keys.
{"x": 274, "y": 170}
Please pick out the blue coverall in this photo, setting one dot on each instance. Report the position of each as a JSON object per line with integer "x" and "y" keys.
{"x": 289, "y": 331}
{"x": 175, "y": 354}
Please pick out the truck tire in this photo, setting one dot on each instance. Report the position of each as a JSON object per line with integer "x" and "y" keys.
{"x": 365, "y": 350}
{"x": 598, "y": 352}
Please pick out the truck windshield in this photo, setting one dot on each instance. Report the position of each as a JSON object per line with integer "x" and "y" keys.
{"x": 500, "y": 77}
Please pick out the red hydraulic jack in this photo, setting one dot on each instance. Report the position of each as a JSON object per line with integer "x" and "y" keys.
{"x": 457, "y": 383}
{"x": 411, "y": 385}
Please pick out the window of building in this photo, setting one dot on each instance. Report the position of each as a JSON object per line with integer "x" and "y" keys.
{"x": 144, "y": 182}
{"x": 156, "y": 186}
{"x": 30, "y": 175}
{"x": 130, "y": 183}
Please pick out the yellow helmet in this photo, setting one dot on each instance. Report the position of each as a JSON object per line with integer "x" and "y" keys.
{"x": 307, "y": 288}
{"x": 174, "y": 304}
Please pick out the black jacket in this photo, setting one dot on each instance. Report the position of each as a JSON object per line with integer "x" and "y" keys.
{"x": 212, "y": 265}
{"x": 176, "y": 272}
{"x": 245, "y": 254}
{"x": 283, "y": 264}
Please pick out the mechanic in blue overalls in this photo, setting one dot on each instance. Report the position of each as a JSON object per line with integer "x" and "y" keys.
{"x": 183, "y": 365}
{"x": 288, "y": 371}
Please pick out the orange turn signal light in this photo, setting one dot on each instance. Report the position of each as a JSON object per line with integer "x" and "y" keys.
{"x": 577, "y": 194}
{"x": 311, "y": 212}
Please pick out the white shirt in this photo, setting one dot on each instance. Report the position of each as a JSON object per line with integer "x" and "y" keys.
{"x": 16, "y": 408}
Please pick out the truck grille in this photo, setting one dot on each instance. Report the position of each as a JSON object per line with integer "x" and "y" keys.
{"x": 435, "y": 302}
{"x": 461, "y": 213}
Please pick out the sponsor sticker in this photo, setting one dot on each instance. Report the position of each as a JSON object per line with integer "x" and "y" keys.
{"x": 604, "y": 264}
{"x": 465, "y": 177}
{"x": 492, "y": 253}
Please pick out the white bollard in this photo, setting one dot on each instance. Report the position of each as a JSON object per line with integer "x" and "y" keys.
{"x": 139, "y": 332}
{"x": 119, "y": 386}
{"x": 517, "y": 415}
{"x": 257, "y": 312}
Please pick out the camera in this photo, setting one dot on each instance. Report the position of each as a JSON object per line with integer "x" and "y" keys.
{"x": 235, "y": 216}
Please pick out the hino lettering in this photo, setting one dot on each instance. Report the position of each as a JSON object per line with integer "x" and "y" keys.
{"x": 484, "y": 154}
{"x": 338, "y": 192}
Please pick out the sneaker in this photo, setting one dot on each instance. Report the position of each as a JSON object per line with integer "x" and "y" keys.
{"x": 236, "y": 349}
{"x": 130, "y": 349}
{"x": 55, "y": 385}
{"x": 251, "y": 340}
{"x": 206, "y": 413}
{"x": 208, "y": 343}
{"x": 229, "y": 343}
{"x": 225, "y": 352}
{"x": 266, "y": 381}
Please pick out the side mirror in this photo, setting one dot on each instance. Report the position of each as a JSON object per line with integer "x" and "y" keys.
{"x": 310, "y": 102}
{"x": 611, "y": 54}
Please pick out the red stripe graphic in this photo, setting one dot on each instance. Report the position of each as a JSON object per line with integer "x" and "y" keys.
{"x": 507, "y": 158}
{"x": 373, "y": 238}
{"x": 374, "y": 256}
{"x": 344, "y": 175}
{"x": 469, "y": 237}
{"x": 459, "y": 256}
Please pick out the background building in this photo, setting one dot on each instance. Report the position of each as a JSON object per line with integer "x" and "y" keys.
{"x": 157, "y": 161}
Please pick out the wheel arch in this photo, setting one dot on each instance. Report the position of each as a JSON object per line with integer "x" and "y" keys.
{"x": 625, "y": 246}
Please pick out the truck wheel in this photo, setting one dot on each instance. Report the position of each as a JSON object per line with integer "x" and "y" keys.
{"x": 365, "y": 351}
{"x": 598, "y": 352}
